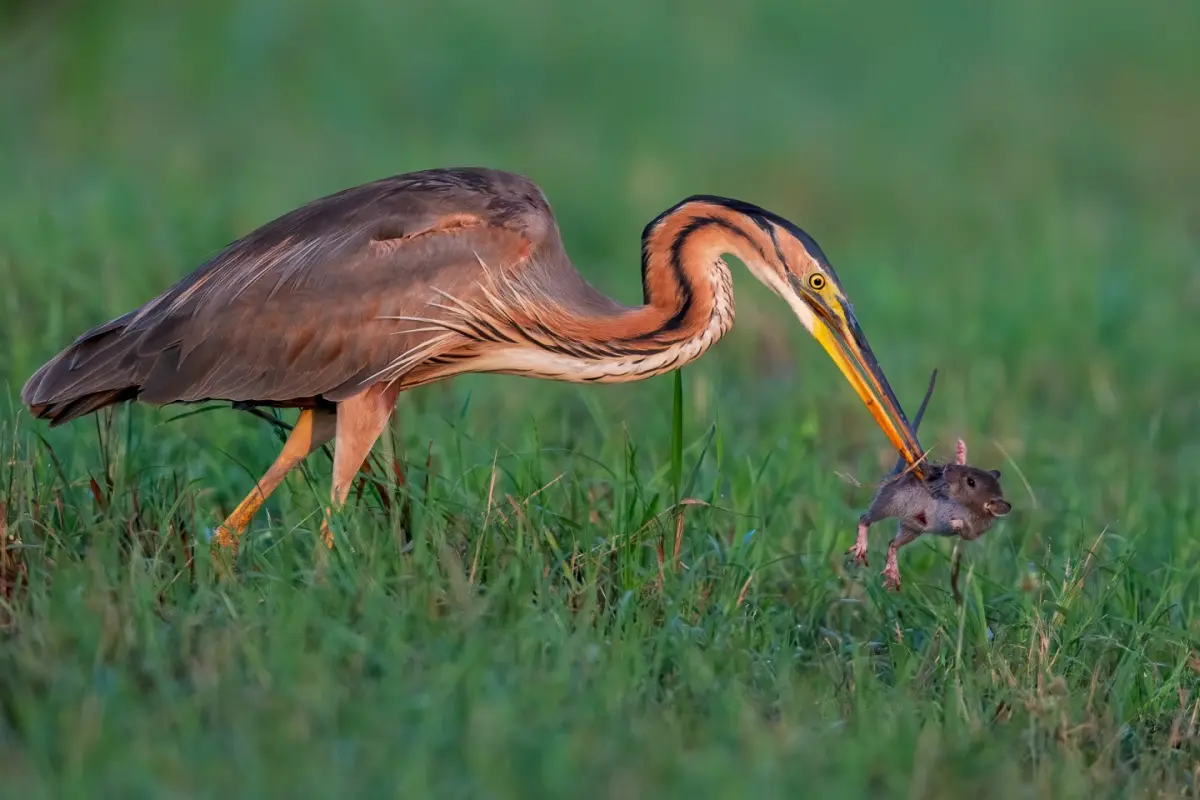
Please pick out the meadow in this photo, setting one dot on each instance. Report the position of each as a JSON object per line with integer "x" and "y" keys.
{"x": 523, "y": 607}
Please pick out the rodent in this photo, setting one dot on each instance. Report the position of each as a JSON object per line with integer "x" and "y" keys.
{"x": 952, "y": 500}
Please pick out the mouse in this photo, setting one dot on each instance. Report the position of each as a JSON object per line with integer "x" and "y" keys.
{"x": 951, "y": 500}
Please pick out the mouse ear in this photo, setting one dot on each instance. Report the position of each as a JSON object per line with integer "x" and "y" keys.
{"x": 995, "y": 473}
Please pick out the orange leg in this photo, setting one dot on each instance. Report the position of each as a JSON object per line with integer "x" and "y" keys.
{"x": 313, "y": 429}
{"x": 360, "y": 420}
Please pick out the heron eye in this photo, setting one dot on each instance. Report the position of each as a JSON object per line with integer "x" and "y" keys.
{"x": 817, "y": 282}
{"x": 971, "y": 482}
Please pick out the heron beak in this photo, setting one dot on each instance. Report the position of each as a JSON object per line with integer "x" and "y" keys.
{"x": 839, "y": 333}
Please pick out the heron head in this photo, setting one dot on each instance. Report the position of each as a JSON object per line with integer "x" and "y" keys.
{"x": 797, "y": 270}
{"x": 791, "y": 264}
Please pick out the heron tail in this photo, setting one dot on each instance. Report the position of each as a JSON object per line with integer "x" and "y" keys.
{"x": 98, "y": 369}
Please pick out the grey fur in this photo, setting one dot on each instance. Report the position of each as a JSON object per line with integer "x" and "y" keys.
{"x": 952, "y": 500}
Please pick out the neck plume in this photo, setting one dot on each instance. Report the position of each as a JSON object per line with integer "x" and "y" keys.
{"x": 688, "y": 307}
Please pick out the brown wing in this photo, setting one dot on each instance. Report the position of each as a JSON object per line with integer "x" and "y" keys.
{"x": 296, "y": 312}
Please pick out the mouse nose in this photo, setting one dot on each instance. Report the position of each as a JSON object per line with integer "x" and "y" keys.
{"x": 998, "y": 508}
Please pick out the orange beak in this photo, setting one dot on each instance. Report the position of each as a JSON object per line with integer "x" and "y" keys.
{"x": 839, "y": 333}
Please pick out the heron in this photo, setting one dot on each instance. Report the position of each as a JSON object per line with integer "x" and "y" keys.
{"x": 338, "y": 306}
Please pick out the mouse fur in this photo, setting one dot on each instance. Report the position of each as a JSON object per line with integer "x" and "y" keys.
{"x": 951, "y": 500}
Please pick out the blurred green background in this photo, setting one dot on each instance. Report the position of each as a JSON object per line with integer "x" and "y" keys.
{"x": 1009, "y": 191}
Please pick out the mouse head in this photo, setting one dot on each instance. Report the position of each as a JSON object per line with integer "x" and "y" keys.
{"x": 978, "y": 489}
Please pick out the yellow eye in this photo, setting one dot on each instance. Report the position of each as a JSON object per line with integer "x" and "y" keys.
{"x": 816, "y": 282}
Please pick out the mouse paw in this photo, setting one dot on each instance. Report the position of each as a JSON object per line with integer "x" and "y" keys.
{"x": 891, "y": 577}
{"x": 957, "y": 525}
{"x": 858, "y": 553}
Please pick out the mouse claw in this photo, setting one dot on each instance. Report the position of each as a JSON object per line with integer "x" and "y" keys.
{"x": 891, "y": 577}
{"x": 858, "y": 552}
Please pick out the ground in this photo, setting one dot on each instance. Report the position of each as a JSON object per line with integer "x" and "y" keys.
{"x": 1008, "y": 194}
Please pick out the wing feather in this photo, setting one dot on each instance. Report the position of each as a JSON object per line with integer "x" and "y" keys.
{"x": 314, "y": 305}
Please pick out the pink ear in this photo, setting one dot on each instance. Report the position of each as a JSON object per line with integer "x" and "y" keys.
{"x": 960, "y": 452}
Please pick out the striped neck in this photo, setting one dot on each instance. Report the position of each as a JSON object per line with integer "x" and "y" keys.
{"x": 688, "y": 307}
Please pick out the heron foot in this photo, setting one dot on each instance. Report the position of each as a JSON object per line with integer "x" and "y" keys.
{"x": 230, "y": 533}
{"x": 224, "y": 548}
{"x": 226, "y": 538}
{"x": 326, "y": 532}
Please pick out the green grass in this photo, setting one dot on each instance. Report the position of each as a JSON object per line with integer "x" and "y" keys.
{"x": 1008, "y": 193}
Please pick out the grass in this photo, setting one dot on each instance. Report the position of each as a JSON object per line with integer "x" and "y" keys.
{"x": 1008, "y": 193}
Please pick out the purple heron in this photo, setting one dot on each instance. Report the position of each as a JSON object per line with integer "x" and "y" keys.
{"x": 338, "y": 306}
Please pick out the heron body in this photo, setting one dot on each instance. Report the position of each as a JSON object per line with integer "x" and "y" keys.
{"x": 339, "y": 305}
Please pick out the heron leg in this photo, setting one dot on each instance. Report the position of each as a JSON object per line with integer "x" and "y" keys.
{"x": 891, "y": 570}
{"x": 312, "y": 429}
{"x": 360, "y": 421}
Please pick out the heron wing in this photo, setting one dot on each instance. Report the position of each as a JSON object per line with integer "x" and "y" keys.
{"x": 308, "y": 306}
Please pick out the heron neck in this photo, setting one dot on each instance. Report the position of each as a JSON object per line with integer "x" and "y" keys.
{"x": 688, "y": 307}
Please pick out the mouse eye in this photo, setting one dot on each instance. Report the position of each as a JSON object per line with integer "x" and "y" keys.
{"x": 971, "y": 482}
